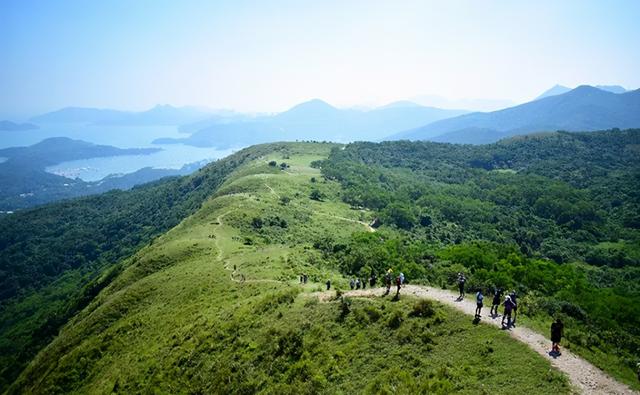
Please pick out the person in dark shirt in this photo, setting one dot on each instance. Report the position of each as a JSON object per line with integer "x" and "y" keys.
{"x": 508, "y": 308}
{"x": 461, "y": 280}
{"x": 497, "y": 297}
{"x": 557, "y": 329}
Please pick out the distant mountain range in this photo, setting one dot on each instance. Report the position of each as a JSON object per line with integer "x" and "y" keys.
{"x": 16, "y": 127}
{"x": 158, "y": 115}
{"x": 560, "y": 89}
{"x": 584, "y": 108}
{"x": 313, "y": 120}
{"x": 469, "y": 104}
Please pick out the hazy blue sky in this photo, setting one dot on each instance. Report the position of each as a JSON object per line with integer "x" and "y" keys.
{"x": 269, "y": 55}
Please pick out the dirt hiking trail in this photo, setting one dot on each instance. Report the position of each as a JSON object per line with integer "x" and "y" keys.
{"x": 587, "y": 378}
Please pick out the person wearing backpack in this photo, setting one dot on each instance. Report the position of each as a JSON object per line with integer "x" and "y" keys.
{"x": 398, "y": 284}
{"x": 497, "y": 297}
{"x": 508, "y": 308}
{"x": 479, "y": 300}
{"x": 387, "y": 282}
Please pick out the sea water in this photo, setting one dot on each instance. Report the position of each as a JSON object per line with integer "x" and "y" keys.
{"x": 172, "y": 156}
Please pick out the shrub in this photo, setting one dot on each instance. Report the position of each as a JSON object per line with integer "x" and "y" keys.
{"x": 396, "y": 319}
{"x": 315, "y": 195}
{"x": 345, "y": 308}
{"x": 423, "y": 308}
{"x": 284, "y": 200}
{"x": 373, "y": 313}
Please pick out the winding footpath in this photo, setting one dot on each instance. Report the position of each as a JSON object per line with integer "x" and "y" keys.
{"x": 225, "y": 262}
{"x": 587, "y": 378}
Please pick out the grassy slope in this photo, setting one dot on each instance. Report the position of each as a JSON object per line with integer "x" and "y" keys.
{"x": 174, "y": 321}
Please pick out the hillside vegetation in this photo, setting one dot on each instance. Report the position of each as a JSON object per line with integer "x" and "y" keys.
{"x": 215, "y": 306}
{"x": 48, "y": 255}
{"x": 554, "y": 216}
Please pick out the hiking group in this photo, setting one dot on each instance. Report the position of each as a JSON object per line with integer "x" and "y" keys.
{"x": 510, "y": 311}
{"x": 509, "y": 303}
{"x": 389, "y": 279}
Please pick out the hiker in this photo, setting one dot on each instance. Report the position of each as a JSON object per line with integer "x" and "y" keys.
{"x": 401, "y": 278}
{"x": 305, "y": 278}
{"x": 508, "y": 307}
{"x": 387, "y": 282}
{"x": 373, "y": 280}
{"x": 328, "y": 285}
{"x": 364, "y": 283}
{"x": 398, "y": 284}
{"x": 461, "y": 281}
{"x": 497, "y": 297}
{"x": 352, "y": 283}
{"x": 514, "y": 300}
{"x": 479, "y": 300}
{"x": 557, "y": 329}
{"x": 301, "y": 278}
{"x": 357, "y": 283}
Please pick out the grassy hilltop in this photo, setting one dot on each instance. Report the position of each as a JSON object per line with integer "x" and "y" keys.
{"x": 176, "y": 317}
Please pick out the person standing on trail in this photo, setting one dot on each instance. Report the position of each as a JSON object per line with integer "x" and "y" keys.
{"x": 461, "y": 281}
{"x": 373, "y": 280}
{"x": 328, "y": 285}
{"x": 508, "y": 307}
{"x": 557, "y": 329}
{"x": 387, "y": 282}
{"x": 497, "y": 297}
{"x": 479, "y": 300}
{"x": 514, "y": 300}
{"x": 305, "y": 278}
{"x": 401, "y": 278}
{"x": 357, "y": 283}
{"x": 352, "y": 283}
{"x": 364, "y": 283}
{"x": 398, "y": 284}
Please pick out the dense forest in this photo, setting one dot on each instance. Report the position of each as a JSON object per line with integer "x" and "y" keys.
{"x": 50, "y": 255}
{"x": 555, "y": 216}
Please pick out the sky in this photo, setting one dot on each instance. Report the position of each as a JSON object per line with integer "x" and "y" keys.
{"x": 266, "y": 56}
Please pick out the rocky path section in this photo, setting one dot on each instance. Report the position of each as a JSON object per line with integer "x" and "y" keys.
{"x": 582, "y": 374}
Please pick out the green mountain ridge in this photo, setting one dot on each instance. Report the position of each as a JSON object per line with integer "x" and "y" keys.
{"x": 215, "y": 305}
{"x": 179, "y": 318}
